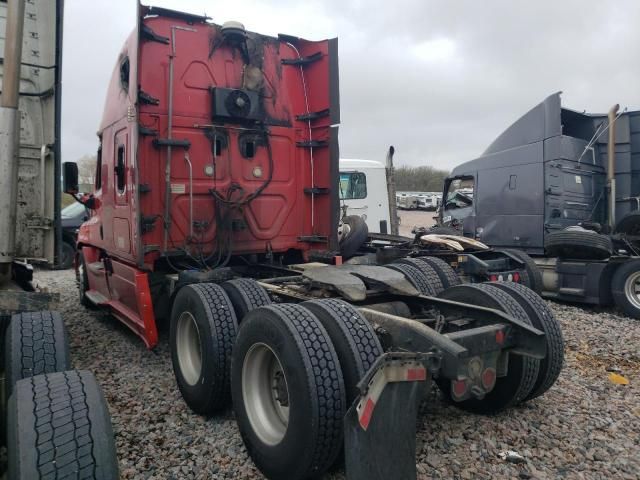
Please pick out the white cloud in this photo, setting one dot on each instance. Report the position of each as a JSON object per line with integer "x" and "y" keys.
{"x": 439, "y": 49}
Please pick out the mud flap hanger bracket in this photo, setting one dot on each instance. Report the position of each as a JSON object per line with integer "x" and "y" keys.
{"x": 380, "y": 426}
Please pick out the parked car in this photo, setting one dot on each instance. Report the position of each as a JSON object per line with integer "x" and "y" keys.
{"x": 71, "y": 217}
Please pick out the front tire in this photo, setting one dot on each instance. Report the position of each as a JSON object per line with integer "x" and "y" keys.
{"x": 202, "y": 334}
{"x": 288, "y": 392}
{"x": 82, "y": 281}
{"x": 68, "y": 254}
{"x": 625, "y": 288}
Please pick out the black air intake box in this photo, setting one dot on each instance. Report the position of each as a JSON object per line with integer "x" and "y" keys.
{"x": 235, "y": 104}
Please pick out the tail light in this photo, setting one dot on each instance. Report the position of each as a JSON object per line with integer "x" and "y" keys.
{"x": 458, "y": 388}
{"x": 488, "y": 378}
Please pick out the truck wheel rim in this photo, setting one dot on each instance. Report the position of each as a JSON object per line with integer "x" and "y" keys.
{"x": 189, "y": 348}
{"x": 632, "y": 289}
{"x": 265, "y": 394}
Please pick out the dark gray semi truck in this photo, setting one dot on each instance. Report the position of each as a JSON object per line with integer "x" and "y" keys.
{"x": 564, "y": 187}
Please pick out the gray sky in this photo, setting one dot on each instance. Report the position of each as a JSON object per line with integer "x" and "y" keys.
{"x": 439, "y": 80}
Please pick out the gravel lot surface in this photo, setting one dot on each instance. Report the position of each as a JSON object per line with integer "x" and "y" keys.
{"x": 584, "y": 427}
{"x": 414, "y": 218}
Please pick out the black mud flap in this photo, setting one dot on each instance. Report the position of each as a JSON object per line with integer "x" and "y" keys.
{"x": 380, "y": 426}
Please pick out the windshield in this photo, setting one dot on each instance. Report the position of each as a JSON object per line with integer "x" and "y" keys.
{"x": 460, "y": 193}
{"x": 72, "y": 211}
{"x": 353, "y": 185}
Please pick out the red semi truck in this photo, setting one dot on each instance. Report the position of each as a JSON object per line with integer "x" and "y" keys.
{"x": 216, "y": 207}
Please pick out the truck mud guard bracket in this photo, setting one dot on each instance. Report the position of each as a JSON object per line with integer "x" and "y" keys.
{"x": 380, "y": 426}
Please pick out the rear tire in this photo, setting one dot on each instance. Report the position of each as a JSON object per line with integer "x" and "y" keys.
{"x": 418, "y": 278}
{"x": 429, "y": 271}
{"x": 534, "y": 275}
{"x": 625, "y": 288}
{"x": 245, "y": 295}
{"x": 288, "y": 392}
{"x": 203, "y": 331}
{"x": 578, "y": 244}
{"x": 353, "y": 338}
{"x": 447, "y": 274}
{"x": 59, "y": 427}
{"x": 522, "y": 371}
{"x": 543, "y": 319}
{"x": 35, "y": 343}
{"x": 355, "y": 237}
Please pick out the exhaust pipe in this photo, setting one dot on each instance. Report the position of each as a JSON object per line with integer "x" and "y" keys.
{"x": 391, "y": 192}
{"x": 611, "y": 167}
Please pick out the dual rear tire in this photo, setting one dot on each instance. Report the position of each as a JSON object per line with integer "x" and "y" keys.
{"x": 526, "y": 378}
{"x": 291, "y": 370}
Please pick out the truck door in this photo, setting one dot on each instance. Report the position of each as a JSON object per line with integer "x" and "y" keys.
{"x": 122, "y": 192}
{"x": 510, "y": 209}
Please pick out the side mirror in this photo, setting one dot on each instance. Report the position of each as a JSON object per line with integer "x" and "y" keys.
{"x": 70, "y": 178}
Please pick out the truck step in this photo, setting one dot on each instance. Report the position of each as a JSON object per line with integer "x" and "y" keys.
{"x": 96, "y": 297}
{"x": 577, "y": 292}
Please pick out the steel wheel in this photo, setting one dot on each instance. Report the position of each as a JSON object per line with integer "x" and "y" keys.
{"x": 632, "y": 289}
{"x": 189, "y": 348}
{"x": 265, "y": 393}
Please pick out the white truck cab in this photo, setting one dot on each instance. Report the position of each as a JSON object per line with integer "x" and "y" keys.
{"x": 363, "y": 189}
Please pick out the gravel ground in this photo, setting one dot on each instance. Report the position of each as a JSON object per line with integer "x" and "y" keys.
{"x": 584, "y": 427}
{"x": 414, "y": 218}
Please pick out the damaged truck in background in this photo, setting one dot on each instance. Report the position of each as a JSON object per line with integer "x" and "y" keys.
{"x": 216, "y": 207}
{"x": 564, "y": 187}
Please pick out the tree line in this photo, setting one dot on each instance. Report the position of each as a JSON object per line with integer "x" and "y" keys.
{"x": 419, "y": 179}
